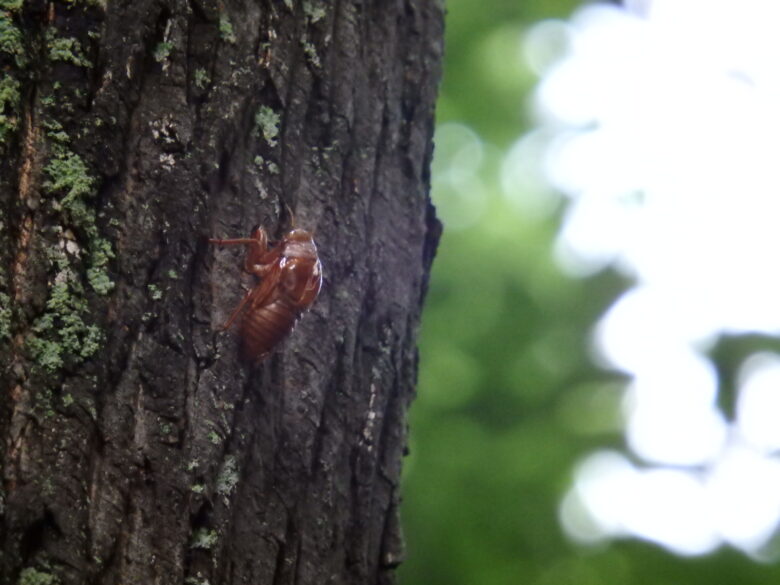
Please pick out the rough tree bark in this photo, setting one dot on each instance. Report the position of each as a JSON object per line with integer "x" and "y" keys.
{"x": 138, "y": 448}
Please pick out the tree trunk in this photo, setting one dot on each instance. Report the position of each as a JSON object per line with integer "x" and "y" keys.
{"x": 139, "y": 447}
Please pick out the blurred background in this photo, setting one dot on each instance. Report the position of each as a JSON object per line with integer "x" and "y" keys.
{"x": 599, "y": 389}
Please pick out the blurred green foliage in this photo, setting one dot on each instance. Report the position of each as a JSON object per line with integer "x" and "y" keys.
{"x": 508, "y": 397}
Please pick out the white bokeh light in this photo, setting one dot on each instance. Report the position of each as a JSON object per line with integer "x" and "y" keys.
{"x": 744, "y": 497}
{"x": 759, "y": 395}
{"x": 667, "y": 150}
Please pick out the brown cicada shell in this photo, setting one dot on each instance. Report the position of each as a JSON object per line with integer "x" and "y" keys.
{"x": 290, "y": 278}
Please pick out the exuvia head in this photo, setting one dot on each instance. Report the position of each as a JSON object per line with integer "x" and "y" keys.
{"x": 299, "y": 243}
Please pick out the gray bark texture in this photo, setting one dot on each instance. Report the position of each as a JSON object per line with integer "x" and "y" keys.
{"x": 138, "y": 448}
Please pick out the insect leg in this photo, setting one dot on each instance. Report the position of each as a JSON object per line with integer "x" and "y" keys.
{"x": 258, "y": 295}
{"x": 258, "y": 248}
{"x": 240, "y": 306}
{"x": 265, "y": 290}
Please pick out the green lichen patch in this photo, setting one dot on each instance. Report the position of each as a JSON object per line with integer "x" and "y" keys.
{"x": 9, "y": 106}
{"x": 11, "y": 5}
{"x": 314, "y": 11}
{"x": 267, "y": 123}
{"x": 99, "y": 281}
{"x": 154, "y": 292}
{"x": 31, "y": 576}
{"x": 67, "y": 174}
{"x": 11, "y": 38}
{"x": 54, "y": 129}
{"x": 226, "y": 32}
{"x": 228, "y": 476}
{"x": 311, "y": 53}
{"x": 5, "y": 316}
{"x": 203, "y": 538}
{"x": 202, "y": 78}
{"x": 61, "y": 332}
{"x": 162, "y": 51}
{"x": 67, "y": 50}
{"x": 100, "y": 253}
